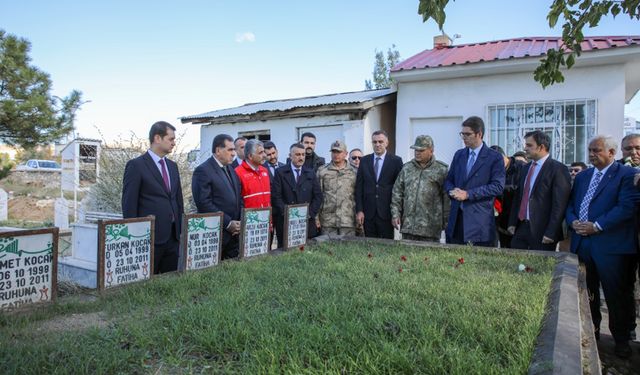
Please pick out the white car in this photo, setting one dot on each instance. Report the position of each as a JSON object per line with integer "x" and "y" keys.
{"x": 39, "y": 165}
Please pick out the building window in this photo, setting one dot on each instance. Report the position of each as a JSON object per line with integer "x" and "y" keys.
{"x": 261, "y": 135}
{"x": 569, "y": 123}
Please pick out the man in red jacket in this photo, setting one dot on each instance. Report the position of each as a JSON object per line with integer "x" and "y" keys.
{"x": 256, "y": 188}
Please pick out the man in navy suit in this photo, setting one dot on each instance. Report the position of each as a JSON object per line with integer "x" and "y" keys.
{"x": 374, "y": 184}
{"x": 601, "y": 212}
{"x": 295, "y": 183}
{"x": 272, "y": 163}
{"x": 541, "y": 199}
{"x": 475, "y": 179}
{"x": 151, "y": 186}
{"x": 216, "y": 188}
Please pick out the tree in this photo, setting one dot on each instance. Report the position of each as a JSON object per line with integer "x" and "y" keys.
{"x": 29, "y": 115}
{"x": 106, "y": 194}
{"x": 576, "y": 13}
{"x": 382, "y": 67}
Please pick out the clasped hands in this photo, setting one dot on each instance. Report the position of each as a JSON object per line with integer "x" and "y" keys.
{"x": 584, "y": 228}
{"x": 234, "y": 227}
{"x": 459, "y": 194}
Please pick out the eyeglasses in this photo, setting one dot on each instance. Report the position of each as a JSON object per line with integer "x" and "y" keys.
{"x": 356, "y": 157}
{"x": 466, "y": 135}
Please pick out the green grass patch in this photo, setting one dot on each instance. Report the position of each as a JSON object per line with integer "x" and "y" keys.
{"x": 333, "y": 308}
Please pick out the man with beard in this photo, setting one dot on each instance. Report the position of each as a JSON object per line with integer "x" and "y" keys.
{"x": 311, "y": 159}
{"x": 543, "y": 193}
{"x": 271, "y": 154}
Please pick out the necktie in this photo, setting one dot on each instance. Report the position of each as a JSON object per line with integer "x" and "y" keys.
{"x": 226, "y": 171}
{"x": 376, "y": 166}
{"x": 584, "y": 206}
{"x": 297, "y": 174}
{"x": 165, "y": 176}
{"x": 472, "y": 159}
{"x": 524, "y": 204}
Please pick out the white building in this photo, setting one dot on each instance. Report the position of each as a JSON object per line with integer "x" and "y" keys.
{"x": 350, "y": 117}
{"x": 631, "y": 125}
{"x": 438, "y": 88}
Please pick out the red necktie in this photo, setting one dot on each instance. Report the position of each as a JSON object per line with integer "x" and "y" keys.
{"x": 522, "y": 214}
{"x": 165, "y": 176}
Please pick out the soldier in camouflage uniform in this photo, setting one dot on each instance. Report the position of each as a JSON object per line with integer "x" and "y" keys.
{"x": 419, "y": 204}
{"x": 337, "y": 182}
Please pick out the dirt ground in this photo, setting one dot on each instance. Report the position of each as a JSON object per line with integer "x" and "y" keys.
{"x": 75, "y": 322}
{"x": 30, "y": 208}
{"x": 612, "y": 365}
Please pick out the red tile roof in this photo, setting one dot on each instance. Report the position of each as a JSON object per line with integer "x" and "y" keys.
{"x": 505, "y": 50}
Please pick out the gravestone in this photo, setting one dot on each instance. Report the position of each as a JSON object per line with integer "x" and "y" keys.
{"x": 61, "y": 213}
{"x": 125, "y": 251}
{"x": 28, "y": 267}
{"x": 202, "y": 239}
{"x": 4, "y": 205}
{"x": 254, "y": 232}
{"x": 295, "y": 225}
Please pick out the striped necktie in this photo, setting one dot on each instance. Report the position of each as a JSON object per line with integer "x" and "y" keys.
{"x": 584, "y": 206}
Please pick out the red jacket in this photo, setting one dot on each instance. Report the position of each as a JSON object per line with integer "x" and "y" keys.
{"x": 256, "y": 188}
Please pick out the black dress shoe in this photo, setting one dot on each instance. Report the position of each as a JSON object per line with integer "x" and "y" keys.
{"x": 623, "y": 350}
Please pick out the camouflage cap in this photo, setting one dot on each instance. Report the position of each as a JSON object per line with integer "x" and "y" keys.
{"x": 422, "y": 142}
{"x": 338, "y": 146}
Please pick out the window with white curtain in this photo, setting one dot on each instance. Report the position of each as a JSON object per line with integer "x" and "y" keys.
{"x": 569, "y": 123}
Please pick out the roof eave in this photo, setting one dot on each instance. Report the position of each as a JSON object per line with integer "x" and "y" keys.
{"x": 516, "y": 65}
{"x": 327, "y": 110}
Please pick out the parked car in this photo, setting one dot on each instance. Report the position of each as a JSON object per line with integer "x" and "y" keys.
{"x": 39, "y": 165}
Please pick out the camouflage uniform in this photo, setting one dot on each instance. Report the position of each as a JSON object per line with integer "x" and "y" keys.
{"x": 419, "y": 199}
{"x": 337, "y": 214}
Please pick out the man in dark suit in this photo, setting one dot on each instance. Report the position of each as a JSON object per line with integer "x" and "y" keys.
{"x": 151, "y": 186}
{"x": 374, "y": 184}
{"x": 475, "y": 179}
{"x": 272, "y": 163}
{"x": 540, "y": 203}
{"x": 601, "y": 212}
{"x": 295, "y": 183}
{"x": 216, "y": 188}
{"x": 503, "y": 205}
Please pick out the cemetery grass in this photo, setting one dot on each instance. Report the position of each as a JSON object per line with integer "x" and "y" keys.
{"x": 329, "y": 308}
